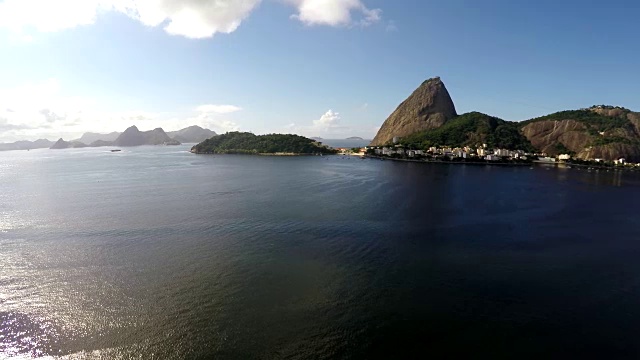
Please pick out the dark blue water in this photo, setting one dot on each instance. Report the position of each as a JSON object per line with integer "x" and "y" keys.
{"x": 158, "y": 253}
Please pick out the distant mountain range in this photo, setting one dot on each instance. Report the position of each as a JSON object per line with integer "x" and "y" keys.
{"x": 27, "y": 145}
{"x": 130, "y": 137}
{"x": 90, "y": 137}
{"x": 192, "y": 134}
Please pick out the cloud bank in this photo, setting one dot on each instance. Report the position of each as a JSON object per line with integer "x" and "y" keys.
{"x": 195, "y": 19}
{"x": 41, "y": 110}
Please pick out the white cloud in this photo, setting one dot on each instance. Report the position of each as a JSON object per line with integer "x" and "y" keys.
{"x": 327, "y": 121}
{"x": 327, "y": 125}
{"x": 218, "y": 109}
{"x": 193, "y": 18}
{"x": 190, "y": 18}
{"x": 41, "y": 110}
{"x": 211, "y": 116}
{"x": 335, "y": 12}
{"x": 391, "y": 26}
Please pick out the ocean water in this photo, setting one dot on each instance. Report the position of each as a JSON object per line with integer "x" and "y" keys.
{"x": 156, "y": 253}
{"x": 345, "y": 143}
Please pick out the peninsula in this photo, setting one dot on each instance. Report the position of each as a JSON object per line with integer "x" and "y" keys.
{"x": 272, "y": 144}
{"x": 427, "y": 123}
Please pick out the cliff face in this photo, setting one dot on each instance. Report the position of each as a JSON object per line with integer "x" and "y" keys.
{"x": 602, "y": 132}
{"x": 614, "y": 151}
{"x": 545, "y": 135}
{"x": 429, "y": 107}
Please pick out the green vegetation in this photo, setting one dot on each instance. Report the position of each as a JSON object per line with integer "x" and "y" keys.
{"x": 606, "y": 140}
{"x": 562, "y": 149}
{"x": 591, "y": 119}
{"x": 472, "y": 129}
{"x": 248, "y": 143}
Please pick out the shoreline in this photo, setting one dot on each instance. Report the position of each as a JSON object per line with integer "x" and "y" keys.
{"x": 257, "y": 154}
{"x": 450, "y": 162}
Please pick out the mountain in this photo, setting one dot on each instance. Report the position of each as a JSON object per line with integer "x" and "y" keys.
{"x": 91, "y": 137}
{"x": 134, "y": 137}
{"x": 427, "y": 118}
{"x": 61, "y": 144}
{"x": 26, "y": 145}
{"x": 604, "y": 132}
{"x": 354, "y": 138}
{"x": 428, "y": 107}
{"x": 248, "y": 143}
{"x": 192, "y": 134}
{"x": 472, "y": 129}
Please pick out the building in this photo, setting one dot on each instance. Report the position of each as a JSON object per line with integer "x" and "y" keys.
{"x": 492, "y": 158}
{"x": 564, "y": 157}
{"x": 502, "y": 152}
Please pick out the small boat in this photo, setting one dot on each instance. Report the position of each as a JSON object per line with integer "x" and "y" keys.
{"x": 115, "y": 150}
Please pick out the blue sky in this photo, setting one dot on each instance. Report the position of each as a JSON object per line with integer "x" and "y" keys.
{"x": 329, "y": 68}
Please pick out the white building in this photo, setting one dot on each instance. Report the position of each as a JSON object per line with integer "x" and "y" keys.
{"x": 564, "y": 157}
{"x": 502, "y": 152}
{"x": 492, "y": 158}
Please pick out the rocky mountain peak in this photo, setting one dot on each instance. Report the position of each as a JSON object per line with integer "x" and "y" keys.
{"x": 428, "y": 107}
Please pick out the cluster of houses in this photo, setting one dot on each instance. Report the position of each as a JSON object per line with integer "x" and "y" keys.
{"x": 481, "y": 152}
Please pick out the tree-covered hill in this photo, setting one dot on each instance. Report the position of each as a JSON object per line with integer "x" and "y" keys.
{"x": 248, "y": 143}
{"x": 606, "y": 132}
{"x": 591, "y": 119}
{"x": 472, "y": 129}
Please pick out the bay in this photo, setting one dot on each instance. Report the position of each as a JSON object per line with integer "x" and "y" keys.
{"x": 154, "y": 252}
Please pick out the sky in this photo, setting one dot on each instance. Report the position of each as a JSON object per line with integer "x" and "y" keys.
{"x": 327, "y": 68}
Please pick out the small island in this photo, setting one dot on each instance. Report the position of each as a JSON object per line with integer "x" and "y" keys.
{"x": 251, "y": 144}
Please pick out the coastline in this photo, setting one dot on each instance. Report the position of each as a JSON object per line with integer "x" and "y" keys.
{"x": 449, "y": 162}
{"x": 256, "y": 154}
